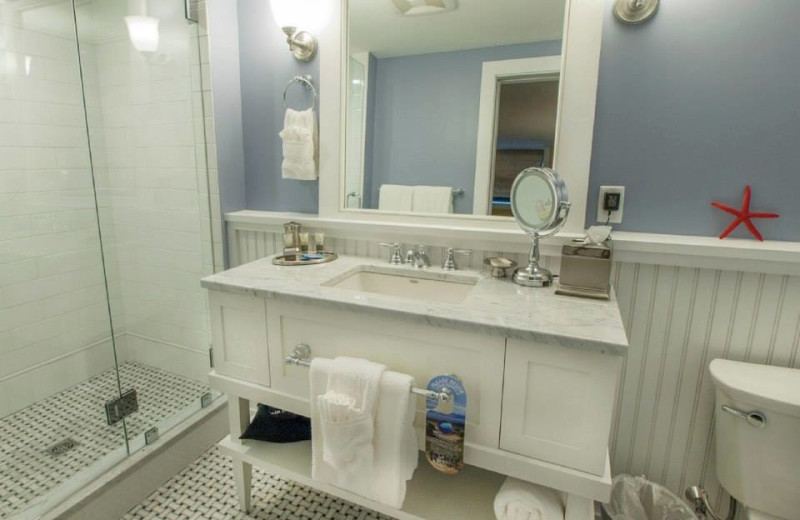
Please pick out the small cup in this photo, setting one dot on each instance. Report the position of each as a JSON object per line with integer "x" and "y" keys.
{"x": 319, "y": 241}
{"x": 304, "y": 242}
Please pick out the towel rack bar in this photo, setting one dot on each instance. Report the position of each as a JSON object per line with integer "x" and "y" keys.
{"x": 458, "y": 192}
{"x": 300, "y": 357}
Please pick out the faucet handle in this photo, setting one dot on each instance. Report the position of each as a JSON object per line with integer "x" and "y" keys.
{"x": 395, "y": 258}
{"x": 450, "y": 260}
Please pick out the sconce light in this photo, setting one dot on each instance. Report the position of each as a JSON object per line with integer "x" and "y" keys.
{"x": 289, "y": 15}
{"x": 635, "y": 11}
{"x": 142, "y": 29}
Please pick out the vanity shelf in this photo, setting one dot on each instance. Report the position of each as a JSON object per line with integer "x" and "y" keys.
{"x": 431, "y": 494}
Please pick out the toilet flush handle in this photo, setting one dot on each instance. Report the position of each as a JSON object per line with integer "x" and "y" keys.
{"x": 754, "y": 419}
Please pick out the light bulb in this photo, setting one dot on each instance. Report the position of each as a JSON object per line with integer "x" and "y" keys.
{"x": 143, "y": 31}
{"x": 305, "y": 15}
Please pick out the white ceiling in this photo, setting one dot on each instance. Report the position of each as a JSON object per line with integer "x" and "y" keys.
{"x": 377, "y": 27}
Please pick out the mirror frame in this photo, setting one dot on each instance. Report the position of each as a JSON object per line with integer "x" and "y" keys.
{"x": 580, "y": 56}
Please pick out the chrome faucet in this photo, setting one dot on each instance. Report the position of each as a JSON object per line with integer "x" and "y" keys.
{"x": 450, "y": 260}
{"x": 419, "y": 258}
{"x": 395, "y": 258}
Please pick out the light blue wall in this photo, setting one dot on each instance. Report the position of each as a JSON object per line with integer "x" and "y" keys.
{"x": 426, "y": 117}
{"x": 266, "y": 66}
{"x": 694, "y": 105}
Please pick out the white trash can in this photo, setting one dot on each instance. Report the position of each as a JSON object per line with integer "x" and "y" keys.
{"x": 636, "y": 498}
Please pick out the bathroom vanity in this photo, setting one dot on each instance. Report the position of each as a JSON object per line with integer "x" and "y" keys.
{"x": 541, "y": 371}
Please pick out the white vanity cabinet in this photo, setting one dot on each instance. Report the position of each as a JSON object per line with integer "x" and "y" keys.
{"x": 536, "y": 411}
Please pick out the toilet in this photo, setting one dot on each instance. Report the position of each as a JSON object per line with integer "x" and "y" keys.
{"x": 758, "y": 437}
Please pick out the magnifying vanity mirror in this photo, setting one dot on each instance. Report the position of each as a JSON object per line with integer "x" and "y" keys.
{"x": 540, "y": 204}
{"x": 445, "y": 102}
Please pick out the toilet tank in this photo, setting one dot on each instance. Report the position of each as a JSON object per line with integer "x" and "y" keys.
{"x": 759, "y": 465}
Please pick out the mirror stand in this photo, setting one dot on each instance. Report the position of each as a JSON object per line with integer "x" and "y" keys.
{"x": 533, "y": 275}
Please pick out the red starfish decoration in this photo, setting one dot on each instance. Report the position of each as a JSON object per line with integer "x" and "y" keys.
{"x": 743, "y": 215}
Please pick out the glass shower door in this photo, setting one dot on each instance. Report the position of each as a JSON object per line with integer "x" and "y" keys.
{"x": 57, "y": 362}
{"x": 144, "y": 81}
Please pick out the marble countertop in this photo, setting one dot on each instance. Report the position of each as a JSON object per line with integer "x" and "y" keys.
{"x": 493, "y": 306}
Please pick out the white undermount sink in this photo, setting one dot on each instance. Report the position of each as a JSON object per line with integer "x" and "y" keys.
{"x": 415, "y": 285}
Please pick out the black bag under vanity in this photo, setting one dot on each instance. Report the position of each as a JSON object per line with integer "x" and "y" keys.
{"x": 275, "y": 425}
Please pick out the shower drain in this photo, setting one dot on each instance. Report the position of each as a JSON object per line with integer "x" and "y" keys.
{"x": 62, "y": 447}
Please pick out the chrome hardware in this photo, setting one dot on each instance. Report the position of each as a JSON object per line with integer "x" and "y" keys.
{"x": 754, "y": 419}
{"x": 450, "y": 260}
{"x": 151, "y": 436}
{"x": 351, "y": 195}
{"x": 499, "y": 265}
{"x": 419, "y": 258}
{"x": 301, "y": 356}
{"x": 308, "y": 84}
{"x": 698, "y": 497}
{"x": 395, "y": 258}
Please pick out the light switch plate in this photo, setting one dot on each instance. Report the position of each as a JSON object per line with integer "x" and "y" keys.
{"x": 616, "y": 216}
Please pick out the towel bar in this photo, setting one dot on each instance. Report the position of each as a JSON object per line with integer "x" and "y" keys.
{"x": 302, "y": 352}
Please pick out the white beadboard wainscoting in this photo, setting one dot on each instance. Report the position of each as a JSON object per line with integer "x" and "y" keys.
{"x": 678, "y": 318}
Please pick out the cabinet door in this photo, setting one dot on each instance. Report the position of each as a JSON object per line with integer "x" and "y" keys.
{"x": 403, "y": 346}
{"x": 239, "y": 336}
{"x": 558, "y": 404}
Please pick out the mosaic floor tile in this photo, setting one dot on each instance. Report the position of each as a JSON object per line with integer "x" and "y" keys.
{"x": 205, "y": 490}
{"x": 28, "y": 471}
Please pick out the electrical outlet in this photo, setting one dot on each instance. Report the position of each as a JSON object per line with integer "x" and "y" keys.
{"x": 607, "y": 199}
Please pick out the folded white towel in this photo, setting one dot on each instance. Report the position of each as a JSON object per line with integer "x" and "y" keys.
{"x": 299, "y": 137}
{"x": 396, "y": 454}
{"x": 362, "y": 428}
{"x": 343, "y": 422}
{"x": 395, "y": 197}
{"x": 432, "y": 199}
{"x": 519, "y": 500}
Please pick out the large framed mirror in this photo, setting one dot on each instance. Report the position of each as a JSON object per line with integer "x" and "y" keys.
{"x": 429, "y": 108}
{"x": 447, "y": 101}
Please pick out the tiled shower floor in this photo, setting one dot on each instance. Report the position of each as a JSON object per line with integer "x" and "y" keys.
{"x": 28, "y": 471}
{"x": 205, "y": 491}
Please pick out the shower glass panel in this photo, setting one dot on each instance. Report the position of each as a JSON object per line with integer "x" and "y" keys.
{"x": 143, "y": 82}
{"x": 105, "y": 231}
{"x": 57, "y": 362}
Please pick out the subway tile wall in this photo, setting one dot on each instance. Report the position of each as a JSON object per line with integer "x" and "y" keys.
{"x": 148, "y": 132}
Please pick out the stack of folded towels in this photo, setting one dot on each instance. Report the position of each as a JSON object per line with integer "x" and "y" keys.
{"x": 362, "y": 423}
{"x": 519, "y": 500}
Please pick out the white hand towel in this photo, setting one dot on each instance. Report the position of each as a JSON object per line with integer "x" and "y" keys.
{"x": 343, "y": 397}
{"x": 432, "y": 199}
{"x": 394, "y": 197}
{"x": 299, "y": 137}
{"x": 379, "y": 472}
{"x": 396, "y": 453}
{"x": 519, "y": 500}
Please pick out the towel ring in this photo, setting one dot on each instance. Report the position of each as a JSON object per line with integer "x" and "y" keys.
{"x": 306, "y": 81}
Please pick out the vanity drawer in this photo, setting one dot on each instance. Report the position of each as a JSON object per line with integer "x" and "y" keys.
{"x": 403, "y": 346}
{"x": 239, "y": 336}
{"x": 558, "y": 404}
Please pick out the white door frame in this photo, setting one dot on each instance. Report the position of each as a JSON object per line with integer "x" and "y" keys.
{"x": 493, "y": 74}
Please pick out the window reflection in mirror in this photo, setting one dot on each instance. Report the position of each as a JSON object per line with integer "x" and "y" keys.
{"x": 414, "y": 89}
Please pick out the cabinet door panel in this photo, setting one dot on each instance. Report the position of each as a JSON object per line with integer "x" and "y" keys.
{"x": 558, "y": 404}
{"x": 239, "y": 336}
{"x": 411, "y": 348}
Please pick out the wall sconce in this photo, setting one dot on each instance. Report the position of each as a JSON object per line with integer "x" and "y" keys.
{"x": 635, "y": 11}
{"x": 289, "y": 15}
{"x": 142, "y": 29}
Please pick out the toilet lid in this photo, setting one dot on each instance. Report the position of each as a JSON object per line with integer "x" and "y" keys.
{"x": 777, "y": 388}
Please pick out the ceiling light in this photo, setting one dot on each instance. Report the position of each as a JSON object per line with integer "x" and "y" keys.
{"x": 422, "y": 7}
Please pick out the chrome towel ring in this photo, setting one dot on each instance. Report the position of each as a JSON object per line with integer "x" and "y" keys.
{"x": 306, "y": 81}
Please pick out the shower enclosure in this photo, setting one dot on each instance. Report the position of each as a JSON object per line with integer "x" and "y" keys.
{"x": 107, "y": 223}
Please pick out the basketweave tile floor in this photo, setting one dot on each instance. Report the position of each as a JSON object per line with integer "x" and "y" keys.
{"x": 28, "y": 471}
{"x": 205, "y": 491}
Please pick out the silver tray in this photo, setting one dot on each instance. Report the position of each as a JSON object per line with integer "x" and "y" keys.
{"x": 327, "y": 256}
